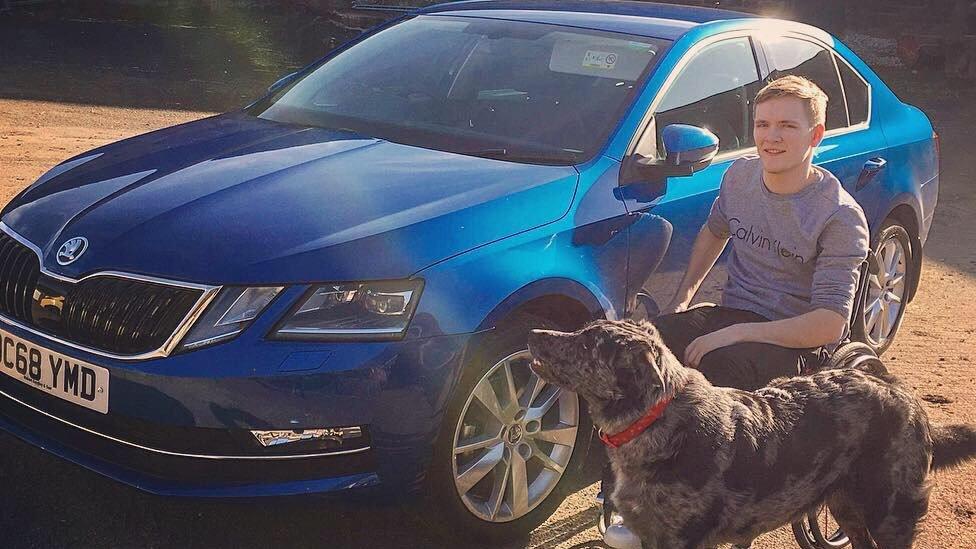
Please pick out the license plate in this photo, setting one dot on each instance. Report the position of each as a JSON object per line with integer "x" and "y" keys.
{"x": 55, "y": 374}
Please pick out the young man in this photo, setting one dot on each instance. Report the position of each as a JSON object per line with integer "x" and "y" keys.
{"x": 798, "y": 240}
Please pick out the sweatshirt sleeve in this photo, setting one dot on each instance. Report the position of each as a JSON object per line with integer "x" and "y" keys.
{"x": 843, "y": 246}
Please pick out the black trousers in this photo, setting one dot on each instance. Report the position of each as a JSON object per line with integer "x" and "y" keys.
{"x": 747, "y": 366}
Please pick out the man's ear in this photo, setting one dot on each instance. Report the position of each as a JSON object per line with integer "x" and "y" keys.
{"x": 818, "y": 134}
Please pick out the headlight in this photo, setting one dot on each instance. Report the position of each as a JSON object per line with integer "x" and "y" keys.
{"x": 231, "y": 311}
{"x": 368, "y": 311}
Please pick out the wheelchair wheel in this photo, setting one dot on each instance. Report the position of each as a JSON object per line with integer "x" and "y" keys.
{"x": 858, "y": 356}
{"x": 846, "y": 353}
{"x": 819, "y": 530}
{"x": 646, "y": 308}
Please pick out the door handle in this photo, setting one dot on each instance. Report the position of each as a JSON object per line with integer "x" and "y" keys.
{"x": 870, "y": 169}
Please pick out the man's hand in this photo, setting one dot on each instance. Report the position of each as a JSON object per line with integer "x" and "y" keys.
{"x": 707, "y": 343}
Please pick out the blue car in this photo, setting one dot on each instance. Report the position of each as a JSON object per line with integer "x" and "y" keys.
{"x": 329, "y": 290}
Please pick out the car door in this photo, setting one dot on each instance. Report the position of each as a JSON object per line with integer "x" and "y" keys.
{"x": 711, "y": 87}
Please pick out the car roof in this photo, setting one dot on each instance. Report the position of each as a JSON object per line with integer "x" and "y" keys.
{"x": 650, "y": 19}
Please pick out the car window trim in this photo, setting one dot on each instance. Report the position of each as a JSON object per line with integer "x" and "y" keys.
{"x": 680, "y": 66}
{"x": 843, "y": 90}
{"x": 867, "y": 122}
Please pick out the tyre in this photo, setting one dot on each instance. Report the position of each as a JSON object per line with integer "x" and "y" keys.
{"x": 510, "y": 444}
{"x": 844, "y": 355}
{"x": 857, "y": 355}
{"x": 882, "y": 303}
{"x": 819, "y": 530}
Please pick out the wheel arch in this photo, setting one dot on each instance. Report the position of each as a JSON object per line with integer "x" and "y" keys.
{"x": 564, "y": 301}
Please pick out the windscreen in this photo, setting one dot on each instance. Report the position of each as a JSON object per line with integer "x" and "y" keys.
{"x": 519, "y": 91}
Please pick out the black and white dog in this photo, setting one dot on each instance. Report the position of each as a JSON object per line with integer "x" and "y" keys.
{"x": 698, "y": 465}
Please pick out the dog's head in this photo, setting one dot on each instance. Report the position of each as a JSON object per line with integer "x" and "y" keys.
{"x": 614, "y": 365}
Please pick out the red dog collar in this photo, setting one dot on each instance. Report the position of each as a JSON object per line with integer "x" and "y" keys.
{"x": 636, "y": 428}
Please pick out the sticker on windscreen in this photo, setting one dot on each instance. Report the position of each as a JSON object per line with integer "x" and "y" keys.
{"x": 612, "y": 60}
{"x": 599, "y": 60}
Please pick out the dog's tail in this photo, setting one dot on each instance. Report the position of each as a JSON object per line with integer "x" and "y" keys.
{"x": 952, "y": 445}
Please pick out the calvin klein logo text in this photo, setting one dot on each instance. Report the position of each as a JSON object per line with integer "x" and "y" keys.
{"x": 749, "y": 236}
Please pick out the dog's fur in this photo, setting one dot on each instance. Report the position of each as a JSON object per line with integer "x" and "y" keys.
{"x": 724, "y": 466}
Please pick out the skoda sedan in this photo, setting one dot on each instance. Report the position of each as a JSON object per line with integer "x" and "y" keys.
{"x": 329, "y": 290}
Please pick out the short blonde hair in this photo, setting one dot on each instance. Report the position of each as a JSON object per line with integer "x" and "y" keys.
{"x": 801, "y": 88}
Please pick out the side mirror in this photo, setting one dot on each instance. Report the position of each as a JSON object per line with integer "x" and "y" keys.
{"x": 689, "y": 149}
{"x": 282, "y": 82}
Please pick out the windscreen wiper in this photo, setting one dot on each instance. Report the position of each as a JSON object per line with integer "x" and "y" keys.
{"x": 516, "y": 156}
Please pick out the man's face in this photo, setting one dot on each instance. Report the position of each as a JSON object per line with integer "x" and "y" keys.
{"x": 785, "y": 135}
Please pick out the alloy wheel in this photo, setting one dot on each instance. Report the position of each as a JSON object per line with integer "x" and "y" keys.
{"x": 514, "y": 441}
{"x": 886, "y": 292}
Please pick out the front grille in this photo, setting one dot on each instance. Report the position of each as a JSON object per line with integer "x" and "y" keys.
{"x": 113, "y": 314}
{"x": 19, "y": 269}
{"x": 124, "y": 316}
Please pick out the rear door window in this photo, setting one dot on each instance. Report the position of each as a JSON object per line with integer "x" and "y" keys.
{"x": 792, "y": 56}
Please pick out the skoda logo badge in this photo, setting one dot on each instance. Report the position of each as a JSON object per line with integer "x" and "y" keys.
{"x": 71, "y": 250}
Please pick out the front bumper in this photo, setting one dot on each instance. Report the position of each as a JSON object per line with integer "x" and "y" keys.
{"x": 181, "y": 425}
{"x": 170, "y": 475}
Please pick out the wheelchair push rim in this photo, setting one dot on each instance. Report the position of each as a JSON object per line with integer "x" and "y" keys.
{"x": 812, "y": 531}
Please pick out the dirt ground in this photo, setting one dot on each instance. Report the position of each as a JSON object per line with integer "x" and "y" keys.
{"x": 54, "y": 105}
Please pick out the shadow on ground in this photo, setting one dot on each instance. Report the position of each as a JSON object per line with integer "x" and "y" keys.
{"x": 51, "y": 503}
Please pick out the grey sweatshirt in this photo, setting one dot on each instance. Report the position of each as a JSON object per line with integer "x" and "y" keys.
{"x": 791, "y": 254}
